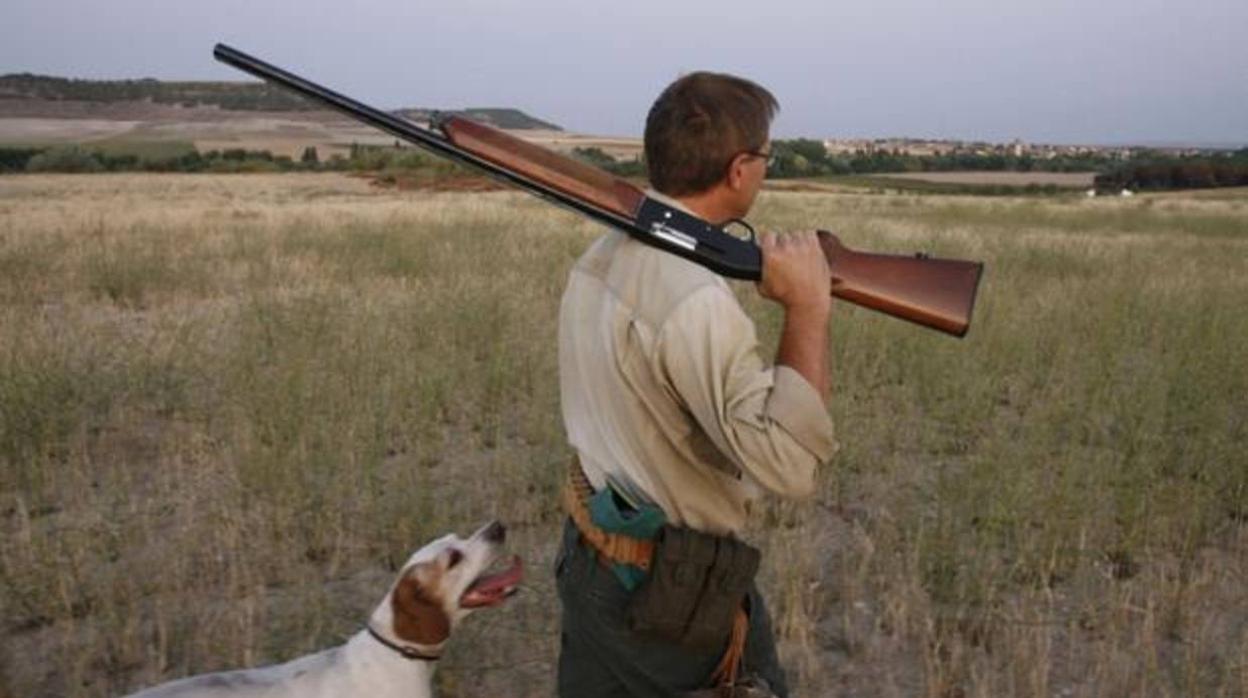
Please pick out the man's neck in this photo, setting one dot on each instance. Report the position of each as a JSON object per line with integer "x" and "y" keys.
{"x": 711, "y": 206}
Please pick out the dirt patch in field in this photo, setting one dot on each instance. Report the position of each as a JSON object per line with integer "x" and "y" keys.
{"x": 24, "y": 130}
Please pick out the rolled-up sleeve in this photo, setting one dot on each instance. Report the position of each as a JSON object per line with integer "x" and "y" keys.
{"x": 770, "y": 422}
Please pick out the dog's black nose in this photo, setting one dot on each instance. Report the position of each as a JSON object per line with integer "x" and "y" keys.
{"x": 496, "y": 532}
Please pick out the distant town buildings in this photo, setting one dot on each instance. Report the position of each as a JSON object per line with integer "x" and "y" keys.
{"x": 1017, "y": 148}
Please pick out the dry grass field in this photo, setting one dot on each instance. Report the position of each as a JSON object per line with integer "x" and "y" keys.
{"x": 231, "y": 405}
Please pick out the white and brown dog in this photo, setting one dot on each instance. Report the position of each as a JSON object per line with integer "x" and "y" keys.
{"x": 396, "y": 653}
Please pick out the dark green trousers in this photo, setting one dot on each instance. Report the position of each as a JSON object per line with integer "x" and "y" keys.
{"x": 599, "y": 657}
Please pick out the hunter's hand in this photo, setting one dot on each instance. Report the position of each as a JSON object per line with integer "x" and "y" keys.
{"x": 795, "y": 272}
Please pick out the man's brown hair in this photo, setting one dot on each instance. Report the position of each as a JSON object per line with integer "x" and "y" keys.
{"x": 698, "y": 124}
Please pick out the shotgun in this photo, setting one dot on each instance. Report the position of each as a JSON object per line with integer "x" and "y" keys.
{"x": 935, "y": 293}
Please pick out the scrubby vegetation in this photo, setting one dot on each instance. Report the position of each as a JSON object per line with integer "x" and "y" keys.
{"x": 597, "y": 157}
{"x": 174, "y": 157}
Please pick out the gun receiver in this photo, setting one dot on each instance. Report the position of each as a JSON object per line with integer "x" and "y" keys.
{"x": 935, "y": 293}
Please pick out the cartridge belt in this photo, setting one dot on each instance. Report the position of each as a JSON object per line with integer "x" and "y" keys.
{"x": 611, "y": 547}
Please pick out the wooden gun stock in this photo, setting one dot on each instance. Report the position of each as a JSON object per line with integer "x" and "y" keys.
{"x": 935, "y": 293}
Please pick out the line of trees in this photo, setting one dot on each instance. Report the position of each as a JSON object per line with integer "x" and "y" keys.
{"x": 804, "y": 157}
{"x": 359, "y": 158}
{"x": 79, "y": 159}
{"x": 1193, "y": 172}
{"x": 83, "y": 159}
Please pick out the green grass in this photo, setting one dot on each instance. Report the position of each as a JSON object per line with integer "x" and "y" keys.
{"x": 119, "y": 145}
{"x": 143, "y": 149}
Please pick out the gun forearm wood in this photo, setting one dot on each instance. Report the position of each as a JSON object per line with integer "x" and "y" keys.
{"x": 569, "y": 176}
{"x": 935, "y": 293}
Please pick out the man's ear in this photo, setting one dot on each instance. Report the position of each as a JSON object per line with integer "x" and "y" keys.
{"x": 419, "y": 615}
{"x": 735, "y": 177}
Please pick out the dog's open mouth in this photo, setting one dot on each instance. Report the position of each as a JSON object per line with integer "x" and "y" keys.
{"x": 493, "y": 589}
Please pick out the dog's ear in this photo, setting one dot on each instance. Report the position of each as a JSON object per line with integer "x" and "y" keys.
{"x": 419, "y": 614}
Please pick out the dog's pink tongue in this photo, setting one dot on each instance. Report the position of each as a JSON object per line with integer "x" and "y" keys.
{"x": 493, "y": 589}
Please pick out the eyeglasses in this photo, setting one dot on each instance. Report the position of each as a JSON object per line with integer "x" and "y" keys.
{"x": 770, "y": 158}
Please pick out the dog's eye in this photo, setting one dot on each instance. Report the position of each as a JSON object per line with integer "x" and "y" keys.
{"x": 455, "y": 558}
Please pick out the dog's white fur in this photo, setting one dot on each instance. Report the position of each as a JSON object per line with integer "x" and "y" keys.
{"x": 418, "y": 613}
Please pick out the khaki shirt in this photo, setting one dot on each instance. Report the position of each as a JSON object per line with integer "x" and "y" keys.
{"x": 665, "y": 396}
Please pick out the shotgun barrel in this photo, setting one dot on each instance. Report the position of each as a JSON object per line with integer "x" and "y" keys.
{"x": 935, "y": 293}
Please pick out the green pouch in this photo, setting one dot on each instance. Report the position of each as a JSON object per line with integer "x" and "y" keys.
{"x": 613, "y": 515}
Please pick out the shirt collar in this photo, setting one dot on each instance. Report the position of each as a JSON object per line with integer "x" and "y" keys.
{"x": 669, "y": 201}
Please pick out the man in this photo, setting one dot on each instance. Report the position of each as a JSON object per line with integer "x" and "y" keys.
{"x": 665, "y": 397}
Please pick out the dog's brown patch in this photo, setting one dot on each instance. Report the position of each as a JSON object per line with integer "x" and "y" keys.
{"x": 419, "y": 616}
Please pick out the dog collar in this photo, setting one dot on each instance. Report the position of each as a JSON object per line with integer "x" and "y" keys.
{"x": 406, "y": 652}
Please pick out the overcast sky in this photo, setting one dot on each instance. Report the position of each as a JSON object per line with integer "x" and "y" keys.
{"x": 1092, "y": 71}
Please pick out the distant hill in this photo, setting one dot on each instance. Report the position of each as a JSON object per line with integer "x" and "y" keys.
{"x": 234, "y": 96}
{"x": 229, "y": 96}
